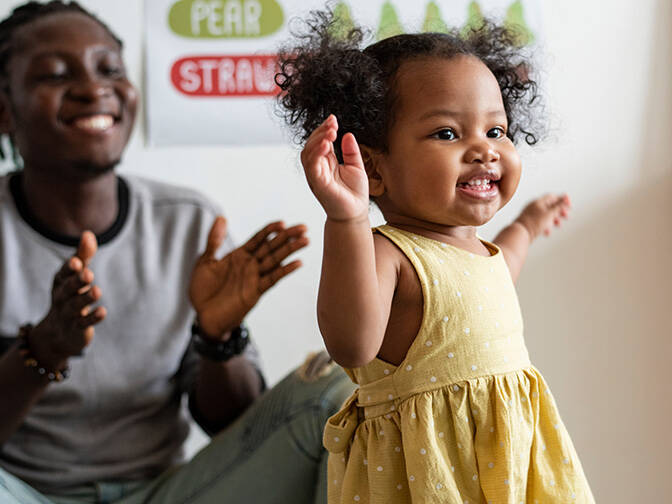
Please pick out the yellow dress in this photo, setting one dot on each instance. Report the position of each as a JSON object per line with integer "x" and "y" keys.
{"x": 465, "y": 418}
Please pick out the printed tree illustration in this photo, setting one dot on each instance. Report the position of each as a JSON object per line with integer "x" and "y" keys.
{"x": 433, "y": 21}
{"x": 515, "y": 20}
{"x": 389, "y": 22}
{"x": 343, "y": 22}
{"x": 475, "y": 18}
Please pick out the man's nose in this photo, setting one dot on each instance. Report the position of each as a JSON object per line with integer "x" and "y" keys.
{"x": 89, "y": 89}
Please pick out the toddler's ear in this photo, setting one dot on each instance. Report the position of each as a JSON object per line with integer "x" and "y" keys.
{"x": 371, "y": 163}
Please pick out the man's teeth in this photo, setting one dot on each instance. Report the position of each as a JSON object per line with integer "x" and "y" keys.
{"x": 97, "y": 122}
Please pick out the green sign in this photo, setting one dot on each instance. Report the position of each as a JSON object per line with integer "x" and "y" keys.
{"x": 213, "y": 19}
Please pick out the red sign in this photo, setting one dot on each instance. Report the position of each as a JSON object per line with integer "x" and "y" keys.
{"x": 221, "y": 76}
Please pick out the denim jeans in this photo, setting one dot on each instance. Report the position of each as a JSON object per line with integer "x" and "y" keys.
{"x": 272, "y": 454}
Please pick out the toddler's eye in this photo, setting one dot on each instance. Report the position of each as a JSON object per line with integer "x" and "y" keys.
{"x": 497, "y": 132}
{"x": 445, "y": 134}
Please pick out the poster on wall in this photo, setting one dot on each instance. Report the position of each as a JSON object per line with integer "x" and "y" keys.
{"x": 210, "y": 64}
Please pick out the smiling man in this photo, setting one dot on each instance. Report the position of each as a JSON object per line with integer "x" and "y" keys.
{"x": 101, "y": 278}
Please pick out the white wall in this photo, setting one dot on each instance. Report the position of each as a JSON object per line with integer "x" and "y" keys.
{"x": 595, "y": 296}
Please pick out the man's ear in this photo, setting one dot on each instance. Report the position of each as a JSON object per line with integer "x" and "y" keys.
{"x": 5, "y": 113}
{"x": 371, "y": 158}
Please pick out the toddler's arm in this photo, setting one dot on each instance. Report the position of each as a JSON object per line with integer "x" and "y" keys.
{"x": 540, "y": 216}
{"x": 355, "y": 287}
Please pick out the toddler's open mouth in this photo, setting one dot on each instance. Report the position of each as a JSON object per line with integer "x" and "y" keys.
{"x": 480, "y": 187}
{"x": 480, "y": 184}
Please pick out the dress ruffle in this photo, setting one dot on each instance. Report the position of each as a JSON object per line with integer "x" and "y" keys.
{"x": 496, "y": 438}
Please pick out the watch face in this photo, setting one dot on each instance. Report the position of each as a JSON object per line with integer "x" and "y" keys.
{"x": 217, "y": 350}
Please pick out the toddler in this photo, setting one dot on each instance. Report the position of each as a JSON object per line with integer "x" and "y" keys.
{"x": 422, "y": 312}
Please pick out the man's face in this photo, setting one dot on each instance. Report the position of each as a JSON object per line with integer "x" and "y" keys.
{"x": 70, "y": 105}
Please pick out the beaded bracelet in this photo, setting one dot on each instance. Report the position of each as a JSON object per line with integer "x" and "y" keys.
{"x": 30, "y": 362}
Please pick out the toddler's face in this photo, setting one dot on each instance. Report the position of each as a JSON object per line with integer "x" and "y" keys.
{"x": 449, "y": 160}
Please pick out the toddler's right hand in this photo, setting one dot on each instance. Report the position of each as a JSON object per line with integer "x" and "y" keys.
{"x": 341, "y": 189}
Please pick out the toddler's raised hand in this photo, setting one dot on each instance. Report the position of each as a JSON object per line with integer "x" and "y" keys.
{"x": 341, "y": 189}
{"x": 541, "y": 215}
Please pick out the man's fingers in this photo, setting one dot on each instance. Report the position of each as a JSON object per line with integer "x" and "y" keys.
{"x": 75, "y": 284}
{"x": 258, "y": 239}
{"x": 269, "y": 280}
{"x": 280, "y": 254}
{"x": 87, "y": 247}
{"x": 75, "y": 307}
{"x": 70, "y": 267}
{"x": 86, "y": 325}
{"x": 215, "y": 237}
{"x": 269, "y": 246}
{"x": 92, "y": 318}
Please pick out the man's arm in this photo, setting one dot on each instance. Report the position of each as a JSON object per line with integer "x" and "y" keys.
{"x": 20, "y": 389}
{"x": 223, "y": 391}
{"x": 64, "y": 332}
{"x": 222, "y": 292}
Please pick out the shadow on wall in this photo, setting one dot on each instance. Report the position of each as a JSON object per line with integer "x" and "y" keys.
{"x": 597, "y": 310}
{"x": 597, "y": 307}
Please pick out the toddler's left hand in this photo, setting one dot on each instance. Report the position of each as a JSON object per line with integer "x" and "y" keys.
{"x": 541, "y": 215}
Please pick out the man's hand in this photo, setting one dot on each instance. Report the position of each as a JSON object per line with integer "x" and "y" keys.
{"x": 223, "y": 291}
{"x": 68, "y": 326}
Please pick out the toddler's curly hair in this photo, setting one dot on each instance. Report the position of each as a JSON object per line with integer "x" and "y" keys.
{"x": 325, "y": 72}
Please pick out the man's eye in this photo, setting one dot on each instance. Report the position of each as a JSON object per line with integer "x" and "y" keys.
{"x": 497, "y": 132}
{"x": 112, "y": 71}
{"x": 445, "y": 134}
{"x": 53, "y": 76}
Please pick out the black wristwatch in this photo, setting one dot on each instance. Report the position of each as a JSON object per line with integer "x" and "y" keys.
{"x": 218, "y": 350}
